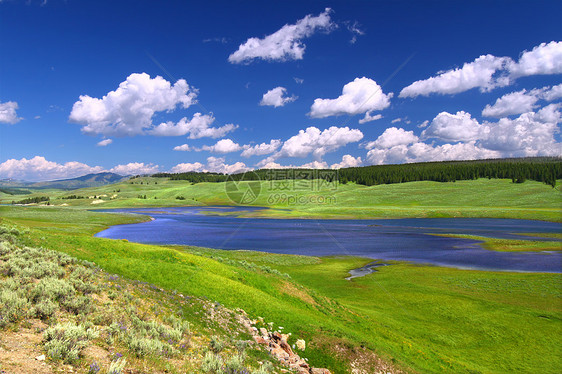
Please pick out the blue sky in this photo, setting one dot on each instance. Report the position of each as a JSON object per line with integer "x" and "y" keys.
{"x": 87, "y": 86}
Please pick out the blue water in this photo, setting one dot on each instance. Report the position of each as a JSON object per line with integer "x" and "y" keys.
{"x": 396, "y": 239}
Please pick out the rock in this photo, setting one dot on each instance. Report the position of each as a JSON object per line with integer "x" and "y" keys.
{"x": 40, "y": 358}
{"x": 319, "y": 371}
{"x": 263, "y": 332}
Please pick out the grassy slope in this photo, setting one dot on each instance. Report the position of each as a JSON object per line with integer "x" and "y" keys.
{"x": 497, "y": 198}
{"x": 429, "y": 319}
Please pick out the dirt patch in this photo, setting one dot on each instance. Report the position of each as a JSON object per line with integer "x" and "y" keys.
{"x": 18, "y": 352}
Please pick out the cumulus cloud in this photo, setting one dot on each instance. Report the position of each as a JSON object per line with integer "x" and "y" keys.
{"x": 512, "y": 103}
{"x": 187, "y": 167}
{"x": 39, "y": 169}
{"x": 198, "y": 127}
{"x": 553, "y": 93}
{"x": 104, "y": 142}
{"x": 531, "y": 134}
{"x": 318, "y": 143}
{"x": 261, "y": 149}
{"x": 392, "y": 137}
{"x": 276, "y": 97}
{"x": 183, "y": 147}
{"x": 543, "y": 59}
{"x": 222, "y": 146}
{"x": 488, "y": 72}
{"x": 479, "y": 73}
{"x": 453, "y": 127}
{"x": 362, "y": 95}
{"x": 8, "y": 113}
{"x": 348, "y": 161}
{"x": 284, "y": 44}
{"x": 368, "y": 118}
{"x": 218, "y": 165}
{"x": 129, "y": 110}
{"x": 135, "y": 168}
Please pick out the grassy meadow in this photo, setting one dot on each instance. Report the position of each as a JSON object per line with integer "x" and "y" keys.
{"x": 494, "y": 198}
{"x": 409, "y": 317}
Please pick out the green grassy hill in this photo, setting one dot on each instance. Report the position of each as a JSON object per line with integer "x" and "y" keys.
{"x": 497, "y": 198}
{"x": 404, "y": 317}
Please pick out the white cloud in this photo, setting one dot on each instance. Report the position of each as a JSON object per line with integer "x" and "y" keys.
{"x": 298, "y": 80}
{"x": 276, "y": 97}
{"x": 214, "y": 165}
{"x": 553, "y": 93}
{"x": 196, "y": 128}
{"x": 187, "y": 167}
{"x": 355, "y": 30}
{"x": 8, "y": 113}
{"x": 39, "y": 169}
{"x": 363, "y": 95}
{"x": 315, "y": 165}
{"x": 183, "y": 147}
{"x": 129, "y": 110}
{"x": 318, "y": 143}
{"x": 531, "y": 134}
{"x": 453, "y": 127}
{"x": 218, "y": 165}
{"x": 348, "y": 161}
{"x": 392, "y": 137}
{"x": 396, "y": 120}
{"x": 512, "y": 103}
{"x": 488, "y": 72}
{"x": 479, "y": 73}
{"x": 284, "y": 44}
{"x": 541, "y": 60}
{"x": 222, "y": 146}
{"x": 261, "y": 149}
{"x": 135, "y": 168}
{"x": 309, "y": 165}
{"x": 368, "y": 118}
{"x": 104, "y": 142}
{"x": 422, "y": 152}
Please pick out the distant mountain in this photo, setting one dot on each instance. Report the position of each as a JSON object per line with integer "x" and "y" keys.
{"x": 89, "y": 180}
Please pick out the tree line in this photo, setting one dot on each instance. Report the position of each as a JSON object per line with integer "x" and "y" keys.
{"x": 542, "y": 169}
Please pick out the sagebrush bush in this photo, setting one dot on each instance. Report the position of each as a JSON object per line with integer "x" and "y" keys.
{"x": 65, "y": 341}
{"x": 217, "y": 344}
{"x": 116, "y": 367}
{"x": 13, "y": 307}
{"x": 44, "y": 309}
{"x": 212, "y": 363}
{"x": 52, "y": 289}
{"x": 142, "y": 347}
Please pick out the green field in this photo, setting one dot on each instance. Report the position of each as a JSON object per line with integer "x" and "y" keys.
{"x": 412, "y": 317}
{"x": 496, "y": 198}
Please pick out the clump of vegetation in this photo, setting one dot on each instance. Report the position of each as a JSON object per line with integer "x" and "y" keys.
{"x": 133, "y": 322}
{"x": 32, "y": 200}
{"x": 65, "y": 341}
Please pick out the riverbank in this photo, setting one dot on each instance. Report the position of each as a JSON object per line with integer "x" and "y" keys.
{"x": 414, "y": 317}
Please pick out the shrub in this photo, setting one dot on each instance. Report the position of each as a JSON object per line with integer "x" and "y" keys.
{"x": 65, "y": 341}
{"x": 143, "y": 347}
{"x": 217, "y": 344}
{"x": 116, "y": 367}
{"x": 212, "y": 363}
{"x": 52, "y": 289}
{"x": 44, "y": 309}
{"x": 265, "y": 368}
{"x": 12, "y": 307}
